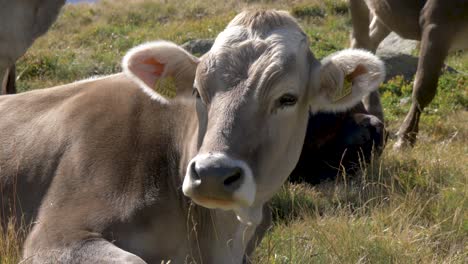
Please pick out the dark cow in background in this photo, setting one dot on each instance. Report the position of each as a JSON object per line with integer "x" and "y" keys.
{"x": 440, "y": 25}
{"x": 338, "y": 143}
{"x": 21, "y": 22}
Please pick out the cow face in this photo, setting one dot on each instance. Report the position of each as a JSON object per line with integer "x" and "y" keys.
{"x": 253, "y": 93}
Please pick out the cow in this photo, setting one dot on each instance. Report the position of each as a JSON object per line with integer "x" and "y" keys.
{"x": 21, "y": 23}
{"x": 441, "y": 26}
{"x": 175, "y": 157}
{"x": 338, "y": 143}
{"x": 335, "y": 143}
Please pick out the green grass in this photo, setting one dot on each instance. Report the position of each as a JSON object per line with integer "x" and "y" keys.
{"x": 407, "y": 207}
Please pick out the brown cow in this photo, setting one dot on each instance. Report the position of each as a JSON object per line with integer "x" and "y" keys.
{"x": 334, "y": 142}
{"x": 108, "y": 168}
{"x": 440, "y": 25}
{"x": 22, "y": 21}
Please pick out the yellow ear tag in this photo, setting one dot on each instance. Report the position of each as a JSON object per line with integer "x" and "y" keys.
{"x": 347, "y": 90}
{"x": 166, "y": 87}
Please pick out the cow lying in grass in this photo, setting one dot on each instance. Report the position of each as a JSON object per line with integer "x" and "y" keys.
{"x": 338, "y": 143}
{"x": 175, "y": 158}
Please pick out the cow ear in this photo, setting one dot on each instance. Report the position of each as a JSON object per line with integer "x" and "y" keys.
{"x": 345, "y": 78}
{"x": 162, "y": 69}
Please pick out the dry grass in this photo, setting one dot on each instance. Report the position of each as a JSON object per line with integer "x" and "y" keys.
{"x": 11, "y": 240}
{"x": 407, "y": 207}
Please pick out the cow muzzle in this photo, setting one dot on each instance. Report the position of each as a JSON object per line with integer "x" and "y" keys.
{"x": 215, "y": 180}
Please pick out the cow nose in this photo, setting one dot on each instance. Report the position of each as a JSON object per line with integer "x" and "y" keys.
{"x": 213, "y": 176}
{"x": 215, "y": 180}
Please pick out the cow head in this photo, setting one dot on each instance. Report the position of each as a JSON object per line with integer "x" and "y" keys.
{"x": 253, "y": 93}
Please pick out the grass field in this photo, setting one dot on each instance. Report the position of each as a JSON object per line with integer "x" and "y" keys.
{"x": 408, "y": 207}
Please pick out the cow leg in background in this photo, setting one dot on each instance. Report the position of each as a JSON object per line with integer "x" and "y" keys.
{"x": 373, "y": 105}
{"x": 3, "y": 79}
{"x": 378, "y": 32}
{"x": 361, "y": 38}
{"x": 360, "y": 34}
{"x": 8, "y": 82}
{"x": 435, "y": 44}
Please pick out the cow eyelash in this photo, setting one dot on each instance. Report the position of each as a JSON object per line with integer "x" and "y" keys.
{"x": 287, "y": 100}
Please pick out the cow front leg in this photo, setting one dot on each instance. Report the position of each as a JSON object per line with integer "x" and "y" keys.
{"x": 3, "y": 79}
{"x": 373, "y": 105}
{"x": 10, "y": 85}
{"x": 367, "y": 35}
{"x": 102, "y": 251}
{"x": 8, "y": 80}
{"x": 435, "y": 44}
{"x": 360, "y": 19}
{"x": 92, "y": 251}
{"x": 378, "y": 32}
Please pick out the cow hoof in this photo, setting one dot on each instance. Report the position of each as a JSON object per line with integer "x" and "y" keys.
{"x": 402, "y": 145}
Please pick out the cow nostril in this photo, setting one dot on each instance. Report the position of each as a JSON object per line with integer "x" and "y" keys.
{"x": 235, "y": 177}
{"x": 194, "y": 172}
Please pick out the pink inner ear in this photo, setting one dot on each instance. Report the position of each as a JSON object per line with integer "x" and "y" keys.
{"x": 147, "y": 69}
{"x": 158, "y": 67}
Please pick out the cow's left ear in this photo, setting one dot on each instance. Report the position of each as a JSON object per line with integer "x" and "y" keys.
{"x": 345, "y": 78}
{"x": 162, "y": 69}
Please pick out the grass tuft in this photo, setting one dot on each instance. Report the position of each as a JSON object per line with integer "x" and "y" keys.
{"x": 11, "y": 239}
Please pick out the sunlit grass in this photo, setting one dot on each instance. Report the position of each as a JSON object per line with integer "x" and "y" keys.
{"x": 410, "y": 208}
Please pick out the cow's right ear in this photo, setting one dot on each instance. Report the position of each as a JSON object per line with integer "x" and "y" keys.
{"x": 162, "y": 69}
{"x": 345, "y": 78}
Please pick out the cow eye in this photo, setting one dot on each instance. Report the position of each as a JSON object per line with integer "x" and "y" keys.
{"x": 196, "y": 93}
{"x": 287, "y": 100}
